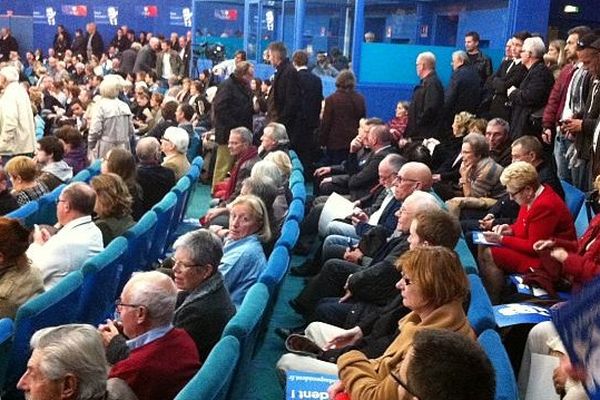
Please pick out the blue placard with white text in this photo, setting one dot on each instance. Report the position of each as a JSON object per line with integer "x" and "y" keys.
{"x": 578, "y": 324}
{"x": 307, "y": 385}
{"x": 520, "y": 313}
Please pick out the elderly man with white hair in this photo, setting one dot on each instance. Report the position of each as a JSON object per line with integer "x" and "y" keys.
{"x": 155, "y": 359}
{"x": 533, "y": 92}
{"x": 425, "y": 111}
{"x": 174, "y": 144}
{"x": 17, "y": 128}
{"x": 112, "y": 120}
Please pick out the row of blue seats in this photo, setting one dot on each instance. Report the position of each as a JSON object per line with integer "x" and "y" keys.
{"x": 88, "y": 295}
{"x": 232, "y": 355}
{"x": 43, "y": 210}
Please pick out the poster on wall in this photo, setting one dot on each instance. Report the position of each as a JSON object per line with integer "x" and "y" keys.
{"x": 106, "y": 15}
{"x": 180, "y": 16}
{"x": 150, "y": 11}
{"x": 226, "y": 14}
{"x": 47, "y": 15}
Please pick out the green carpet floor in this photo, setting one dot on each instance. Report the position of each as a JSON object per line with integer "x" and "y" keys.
{"x": 261, "y": 381}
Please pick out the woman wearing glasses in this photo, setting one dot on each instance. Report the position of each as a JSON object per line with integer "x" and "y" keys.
{"x": 435, "y": 296}
{"x": 542, "y": 215}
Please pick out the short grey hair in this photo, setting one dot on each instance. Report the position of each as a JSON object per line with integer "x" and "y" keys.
{"x": 148, "y": 149}
{"x": 501, "y": 123}
{"x": 394, "y": 161}
{"x": 203, "y": 246}
{"x": 73, "y": 349}
{"x": 425, "y": 202}
{"x": 245, "y": 134}
{"x": 428, "y": 57}
{"x": 110, "y": 87}
{"x": 278, "y": 133}
{"x": 155, "y": 291}
{"x": 269, "y": 169}
{"x": 479, "y": 144}
{"x": 535, "y": 45}
{"x": 461, "y": 55}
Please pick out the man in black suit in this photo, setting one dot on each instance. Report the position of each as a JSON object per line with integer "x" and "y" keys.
{"x": 7, "y": 44}
{"x": 94, "y": 42}
{"x": 155, "y": 180}
{"x": 311, "y": 95}
{"x": 426, "y": 109}
{"x": 146, "y": 57}
{"x": 185, "y": 51}
{"x": 464, "y": 90}
{"x": 128, "y": 58}
{"x": 284, "y": 103}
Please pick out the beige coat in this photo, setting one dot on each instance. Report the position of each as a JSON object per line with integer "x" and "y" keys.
{"x": 17, "y": 285}
{"x": 17, "y": 128}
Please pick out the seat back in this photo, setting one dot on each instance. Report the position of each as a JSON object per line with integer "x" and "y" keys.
{"x": 245, "y": 326}
{"x": 27, "y": 213}
{"x": 47, "y": 207}
{"x": 299, "y": 192}
{"x": 277, "y": 266}
{"x": 57, "y": 306}
{"x": 95, "y": 167}
{"x": 506, "y": 385}
{"x": 289, "y": 234}
{"x": 6, "y": 338}
{"x": 296, "y": 177}
{"x": 296, "y": 210}
{"x": 82, "y": 176}
{"x": 466, "y": 257}
{"x": 164, "y": 213}
{"x": 139, "y": 239}
{"x": 574, "y": 198}
{"x": 213, "y": 380}
{"x": 101, "y": 275}
{"x": 297, "y": 164}
{"x": 193, "y": 147}
{"x": 182, "y": 190}
{"x": 480, "y": 312}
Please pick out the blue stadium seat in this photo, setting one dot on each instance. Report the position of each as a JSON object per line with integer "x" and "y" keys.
{"x": 296, "y": 177}
{"x": 583, "y": 219}
{"x": 83, "y": 176}
{"x": 95, "y": 168}
{"x": 299, "y": 192}
{"x": 297, "y": 165}
{"x": 164, "y": 213}
{"x": 139, "y": 239}
{"x": 466, "y": 257}
{"x": 296, "y": 211}
{"x": 182, "y": 190}
{"x": 47, "y": 203}
{"x": 100, "y": 281}
{"x": 480, "y": 312}
{"x": 506, "y": 385}
{"x": 293, "y": 155}
{"x": 26, "y": 214}
{"x": 573, "y": 197}
{"x": 193, "y": 147}
{"x": 245, "y": 326}
{"x": 194, "y": 173}
{"x": 6, "y": 338}
{"x": 214, "y": 379}
{"x": 198, "y": 161}
{"x": 289, "y": 234}
{"x": 57, "y": 306}
{"x": 277, "y": 266}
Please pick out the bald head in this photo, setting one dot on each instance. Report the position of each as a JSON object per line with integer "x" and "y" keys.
{"x": 148, "y": 150}
{"x": 412, "y": 176}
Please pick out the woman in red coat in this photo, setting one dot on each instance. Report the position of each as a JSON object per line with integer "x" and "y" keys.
{"x": 543, "y": 215}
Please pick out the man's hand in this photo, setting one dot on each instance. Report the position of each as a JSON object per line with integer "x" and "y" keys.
{"x": 572, "y": 126}
{"x": 347, "y": 338}
{"x": 359, "y": 216}
{"x": 108, "y": 331}
{"x": 322, "y": 171}
{"x": 487, "y": 222}
{"x": 40, "y": 235}
{"x": 547, "y": 136}
{"x": 559, "y": 379}
{"x": 353, "y": 255}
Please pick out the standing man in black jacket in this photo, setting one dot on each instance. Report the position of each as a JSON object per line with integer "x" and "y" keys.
{"x": 481, "y": 62}
{"x": 94, "y": 42}
{"x": 232, "y": 108}
{"x": 464, "y": 91}
{"x": 426, "y": 109}
{"x": 311, "y": 95}
{"x": 7, "y": 44}
{"x": 284, "y": 102}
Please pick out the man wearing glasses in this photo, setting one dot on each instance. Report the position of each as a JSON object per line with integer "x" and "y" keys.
{"x": 139, "y": 345}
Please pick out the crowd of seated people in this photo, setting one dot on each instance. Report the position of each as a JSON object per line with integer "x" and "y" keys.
{"x": 493, "y": 146}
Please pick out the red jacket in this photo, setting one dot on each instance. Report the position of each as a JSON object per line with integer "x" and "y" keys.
{"x": 547, "y": 217}
{"x": 558, "y": 95}
{"x": 582, "y": 264}
{"x": 161, "y": 368}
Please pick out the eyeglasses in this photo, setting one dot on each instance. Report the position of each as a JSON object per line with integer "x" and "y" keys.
{"x": 400, "y": 179}
{"x": 177, "y": 262}
{"x": 119, "y": 304}
{"x": 407, "y": 281}
{"x": 513, "y": 194}
{"x": 403, "y": 384}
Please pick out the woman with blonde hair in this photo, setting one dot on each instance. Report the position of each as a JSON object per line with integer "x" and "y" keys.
{"x": 112, "y": 121}
{"x": 542, "y": 215}
{"x": 435, "y": 296}
{"x": 243, "y": 255}
{"x": 22, "y": 172}
{"x": 113, "y": 206}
